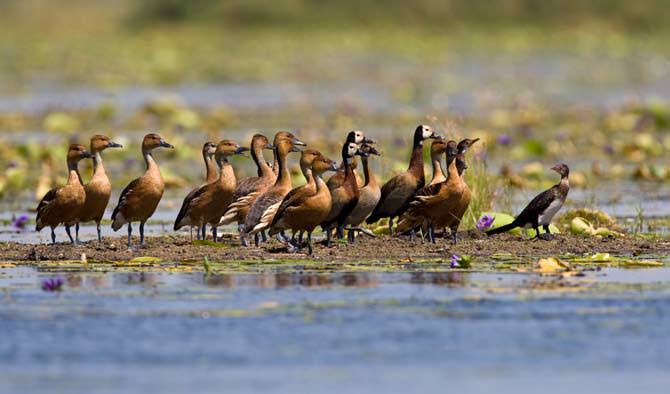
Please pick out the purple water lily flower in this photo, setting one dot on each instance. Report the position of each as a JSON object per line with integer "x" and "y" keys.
{"x": 20, "y": 222}
{"x": 454, "y": 261}
{"x": 52, "y": 284}
{"x": 504, "y": 139}
{"x": 485, "y": 222}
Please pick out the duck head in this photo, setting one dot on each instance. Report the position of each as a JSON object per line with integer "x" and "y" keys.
{"x": 465, "y": 144}
{"x": 322, "y": 164}
{"x": 438, "y": 147}
{"x": 307, "y": 157}
{"x": 208, "y": 149}
{"x": 76, "y": 152}
{"x": 101, "y": 142}
{"x": 152, "y": 141}
{"x": 562, "y": 169}
{"x": 423, "y": 132}
{"x": 285, "y": 135}
{"x": 358, "y": 137}
{"x": 227, "y": 148}
{"x": 451, "y": 151}
{"x": 369, "y": 149}
{"x": 259, "y": 141}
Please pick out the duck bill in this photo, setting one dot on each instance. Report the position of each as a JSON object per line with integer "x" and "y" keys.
{"x": 298, "y": 142}
{"x": 472, "y": 142}
{"x": 269, "y": 147}
{"x": 333, "y": 167}
{"x": 112, "y": 144}
{"x": 360, "y": 153}
{"x": 241, "y": 151}
{"x": 164, "y": 144}
{"x": 367, "y": 140}
{"x": 374, "y": 151}
{"x": 86, "y": 155}
{"x": 436, "y": 136}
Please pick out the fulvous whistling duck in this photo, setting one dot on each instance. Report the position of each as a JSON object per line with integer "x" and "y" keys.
{"x": 275, "y": 161}
{"x": 64, "y": 204}
{"x": 345, "y": 197}
{"x": 139, "y": 200}
{"x": 458, "y": 210}
{"x": 336, "y": 180}
{"x": 248, "y": 189}
{"x": 437, "y": 149}
{"x": 208, "y": 150}
{"x": 305, "y": 207}
{"x": 399, "y": 190}
{"x": 99, "y": 188}
{"x": 541, "y": 210}
{"x": 263, "y": 209}
{"x": 369, "y": 194}
{"x": 432, "y": 200}
{"x": 208, "y": 203}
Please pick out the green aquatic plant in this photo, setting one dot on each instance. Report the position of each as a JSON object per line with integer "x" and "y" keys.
{"x": 207, "y": 266}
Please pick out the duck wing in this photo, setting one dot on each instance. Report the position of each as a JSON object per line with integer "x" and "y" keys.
{"x": 191, "y": 197}
{"x": 42, "y": 207}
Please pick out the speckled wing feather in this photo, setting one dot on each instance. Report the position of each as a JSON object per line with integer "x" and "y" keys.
{"x": 245, "y": 187}
{"x": 258, "y": 208}
{"x": 123, "y": 198}
{"x": 42, "y": 207}
{"x": 188, "y": 200}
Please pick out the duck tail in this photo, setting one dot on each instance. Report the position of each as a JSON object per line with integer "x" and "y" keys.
{"x": 502, "y": 229}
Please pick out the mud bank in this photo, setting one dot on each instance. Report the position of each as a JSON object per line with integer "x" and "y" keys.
{"x": 180, "y": 249}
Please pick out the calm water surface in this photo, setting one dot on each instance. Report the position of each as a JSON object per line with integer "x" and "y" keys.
{"x": 347, "y": 332}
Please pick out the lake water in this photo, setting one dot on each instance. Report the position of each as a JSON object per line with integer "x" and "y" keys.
{"x": 345, "y": 332}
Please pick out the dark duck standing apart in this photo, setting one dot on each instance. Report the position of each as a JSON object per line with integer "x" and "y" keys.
{"x": 64, "y": 204}
{"x": 99, "y": 188}
{"x": 139, "y": 200}
{"x": 542, "y": 209}
{"x": 345, "y": 197}
{"x": 399, "y": 190}
{"x": 305, "y": 207}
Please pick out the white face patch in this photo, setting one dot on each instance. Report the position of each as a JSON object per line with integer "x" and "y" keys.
{"x": 352, "y": 149}
{"x": 359, "y": 137}
{"x": 427, "y": 132}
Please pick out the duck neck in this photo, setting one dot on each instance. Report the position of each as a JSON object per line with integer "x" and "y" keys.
{"x": 349, "y": 175}
{"x": 73, "y": 173}
{"x": 210, "y": 167}
{"x": 98, "y": 169}
{"x": 226, "y": 172}
{"x": 369, "y": 176}
{"x": 149, "y": 161}
{"x": 438, "y": 173}
{"x": 416, "y": 161}
{"x": 261, "y": 165}
{"x": 284, "y": 176}
{"x": 452, "y": 168}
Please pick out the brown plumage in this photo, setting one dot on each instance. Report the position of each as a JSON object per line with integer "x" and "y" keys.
{"x": 208, "y": 203}
{"x": 99, "y": 188}
{"x": 263, "y": 209}
{"x": 437, "y": 149}
{"x": 434, "y": 202}
{"x": 305, "y": 207}
{"x": 248, "y": 189}
{"x": 369, "y": 193}
{"x": 139, "y": 200}
{"x": 454, "y": 218}
{"x": 399, "y": 190}
{"x": 64, "y": 204}
{"x": 208, "y": 150}
{"x": 345, "y": 197}
{"x": 335, "y": 181}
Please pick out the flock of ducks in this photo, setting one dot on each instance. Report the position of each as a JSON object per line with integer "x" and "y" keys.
{"x": 267, "y": 204}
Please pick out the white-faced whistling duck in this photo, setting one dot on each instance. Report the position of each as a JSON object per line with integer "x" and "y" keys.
{"x": 369, "y": 195}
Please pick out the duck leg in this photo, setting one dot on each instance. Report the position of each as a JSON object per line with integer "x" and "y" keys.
{"x": 329, "y": 235}
{"x": 76, "y": 232}
{"x": 351, "y": 236}
{"x": 339, "y": 232}
{"x": 203, "y": 232}
{"x": 130, "y": 234}
{"x": 191, "y": 227}
{"x": 99, "y": 230}
{"x": 214, "y": 233}
{"x": 300, "y": 238}
{"x": 310, "y": 251}
{"x": 431, "y": 233}
{"x": 454, "y": 235}
{"x": 67, "y": 230}
{"x": 257, "y": 239}
{"x": 243, "y": 238}
{"x": 141, "y": 233}
{"x": 391, "y": 226}
{"x": 53, "y": 236}
{"x": 264, "y": 236}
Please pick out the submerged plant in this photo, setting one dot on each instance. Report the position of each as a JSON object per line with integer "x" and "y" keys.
{"x": 52, "y": 284}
